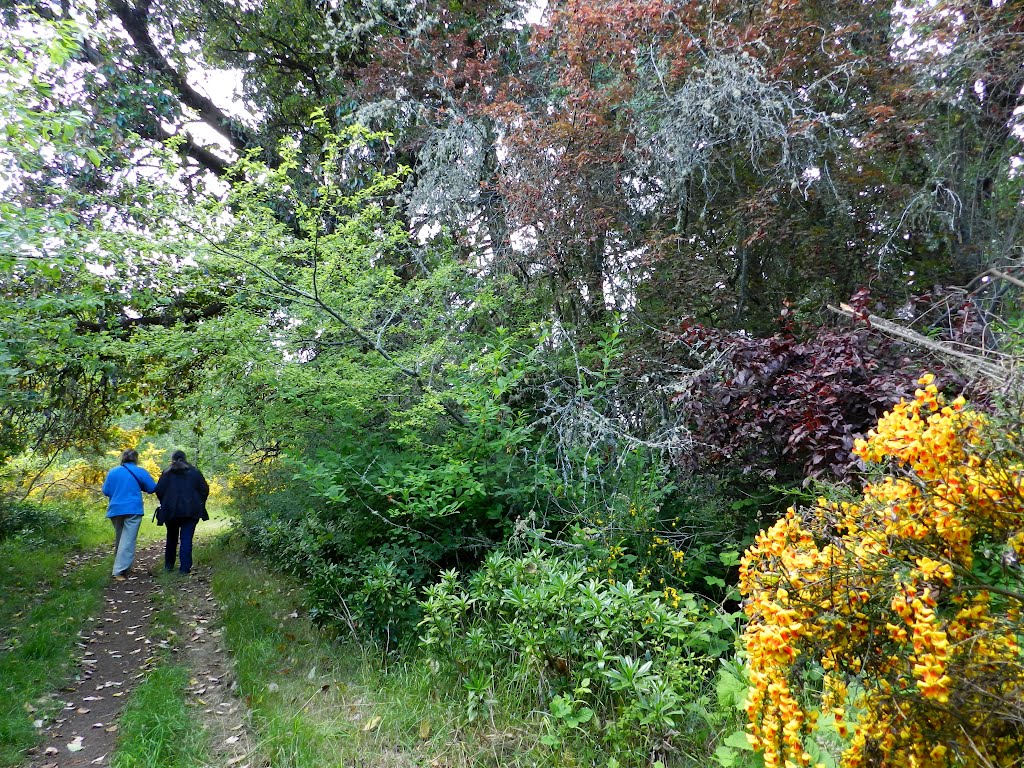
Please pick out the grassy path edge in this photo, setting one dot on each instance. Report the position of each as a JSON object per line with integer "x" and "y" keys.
{"x": 40, "y": 649}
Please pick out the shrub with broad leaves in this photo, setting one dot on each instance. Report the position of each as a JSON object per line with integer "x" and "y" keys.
{"x": 629, "y": 668}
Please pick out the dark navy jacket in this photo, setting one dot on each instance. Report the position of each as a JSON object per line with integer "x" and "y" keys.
{"x": 182, "y": 491}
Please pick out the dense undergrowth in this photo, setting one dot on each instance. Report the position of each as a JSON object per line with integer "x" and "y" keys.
{"x": 317, "y": 701}
{"x": 318, "y": 697}
{"x": 602, "y": 638}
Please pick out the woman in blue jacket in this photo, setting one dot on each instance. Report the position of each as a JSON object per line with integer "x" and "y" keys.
{"x": 124, "y": 487}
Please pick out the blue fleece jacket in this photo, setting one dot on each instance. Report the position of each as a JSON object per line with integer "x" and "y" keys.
{"x": 124, "y": 490}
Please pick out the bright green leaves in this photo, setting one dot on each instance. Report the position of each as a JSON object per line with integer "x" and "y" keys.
{"x": 34, "y": 61}
{"x": 624, "y": 667}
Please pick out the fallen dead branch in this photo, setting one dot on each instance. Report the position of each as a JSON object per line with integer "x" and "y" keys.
{"x": 997, "y": 370}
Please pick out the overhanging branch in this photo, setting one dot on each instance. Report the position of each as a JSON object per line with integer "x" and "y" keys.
{"x": 135, "y": 21}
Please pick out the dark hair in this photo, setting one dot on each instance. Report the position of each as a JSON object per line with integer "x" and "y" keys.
{"x": 129, "y": 456}
{"x": 178, "y": 456}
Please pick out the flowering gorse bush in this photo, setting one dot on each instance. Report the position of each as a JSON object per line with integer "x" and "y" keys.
{"x": 896, "y": 618}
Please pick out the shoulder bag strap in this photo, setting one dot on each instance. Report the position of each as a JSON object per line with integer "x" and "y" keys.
{"x": 135, "y": 476}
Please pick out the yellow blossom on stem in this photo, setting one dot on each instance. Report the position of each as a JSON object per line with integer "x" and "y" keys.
{"x": 884, "y": 592}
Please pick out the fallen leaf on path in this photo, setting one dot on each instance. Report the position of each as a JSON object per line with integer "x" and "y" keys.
{"x": 231, "y": 740}
{"x": 99, "y": 760}
{"x": 83, "y": 710}
{"x": 75, "y": 745}
{"x": 111, "y": 728}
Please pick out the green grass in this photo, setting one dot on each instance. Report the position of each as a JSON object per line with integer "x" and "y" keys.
{"x": 38, "y": 641}
{"x": 278, "y": 666}
{"x": 42, "y": 613}
{"x": 158, "y": 728}
{"x": 319, "y": 701}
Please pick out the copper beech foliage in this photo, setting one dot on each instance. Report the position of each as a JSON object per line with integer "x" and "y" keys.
{"x": 792, "y": 399}
{"x": 844, "y": 145}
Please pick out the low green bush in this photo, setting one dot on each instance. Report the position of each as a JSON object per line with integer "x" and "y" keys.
{"x": 34, "y": 522}
{"x": 630, "y": 669}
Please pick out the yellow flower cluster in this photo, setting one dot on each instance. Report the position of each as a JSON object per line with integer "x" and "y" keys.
{"x": 884, "y": 593}
{"x": 671, "y": 596}
{"x": 676, "y": 557}
{"x": 80, "y": 479}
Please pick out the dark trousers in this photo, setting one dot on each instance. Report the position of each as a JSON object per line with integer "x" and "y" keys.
{"x": 183, "y": 529}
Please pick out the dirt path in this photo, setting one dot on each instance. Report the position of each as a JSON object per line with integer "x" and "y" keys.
{"x": 212, "y": 686}
{"x": 116, "y": 652}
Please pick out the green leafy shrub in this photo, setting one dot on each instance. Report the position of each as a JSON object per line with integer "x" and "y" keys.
{"x": 612, "y": 663}
{"x": 33, "y": 522}
{"x": 363, "y": 547}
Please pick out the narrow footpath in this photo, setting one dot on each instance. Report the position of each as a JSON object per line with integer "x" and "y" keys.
{"x": 212, "y": 687}
{"x": 116, "y": 653}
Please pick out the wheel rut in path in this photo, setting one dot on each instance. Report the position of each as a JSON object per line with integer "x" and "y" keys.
{"x": 116, "y": 653}
{"x": 212, "y": 686}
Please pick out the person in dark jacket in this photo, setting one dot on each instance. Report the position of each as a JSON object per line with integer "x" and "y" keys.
{"x": 182, "y": 491}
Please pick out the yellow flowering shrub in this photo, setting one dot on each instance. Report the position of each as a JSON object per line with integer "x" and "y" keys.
{"x": 897, "y": 616}
{"x": 76, "y": 480}
{"x": 80, "y": 478}
{"x": 150, "y": 459}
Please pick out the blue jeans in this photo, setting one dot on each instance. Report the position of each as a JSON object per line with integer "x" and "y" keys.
{"x": 126, "y": 531}
{"x": 185, "y": 529}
